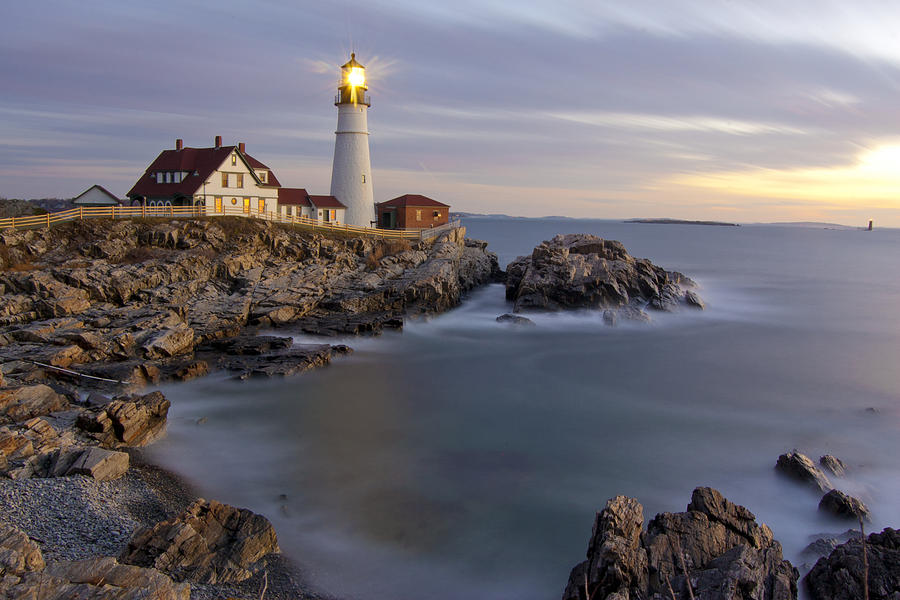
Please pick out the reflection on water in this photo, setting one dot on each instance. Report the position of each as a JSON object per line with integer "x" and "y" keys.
{"x": 466, "y": 458}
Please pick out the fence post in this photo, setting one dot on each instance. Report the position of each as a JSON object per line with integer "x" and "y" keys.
{"x": 81, "y": 213}
{"x": 48, "y": 220}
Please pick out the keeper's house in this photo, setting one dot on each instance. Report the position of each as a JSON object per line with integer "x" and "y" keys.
{"x": 225, "y": 180}
{"x": 412, "y": 211}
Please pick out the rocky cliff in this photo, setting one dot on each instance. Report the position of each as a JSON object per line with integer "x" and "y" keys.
{"x": 146, "y": 295}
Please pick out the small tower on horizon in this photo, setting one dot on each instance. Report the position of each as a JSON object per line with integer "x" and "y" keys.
{"x": 351, "y": 172}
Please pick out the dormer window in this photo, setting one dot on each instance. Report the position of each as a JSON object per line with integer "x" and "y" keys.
{"x": 262, "y": 176}
{"x": 160, "y": 177}
{"x": 168, "y": 177}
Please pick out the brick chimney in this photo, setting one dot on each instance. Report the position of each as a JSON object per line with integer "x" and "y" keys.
{"x": 179, "y": 144}
{"x": 218, "y": 141}
{"x": 242, "y": 147}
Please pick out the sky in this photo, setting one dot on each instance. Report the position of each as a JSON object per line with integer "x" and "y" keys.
{"x": 735, "y": 110}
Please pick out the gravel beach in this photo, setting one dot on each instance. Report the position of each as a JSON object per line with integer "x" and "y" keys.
{"x": 73, "y": 518}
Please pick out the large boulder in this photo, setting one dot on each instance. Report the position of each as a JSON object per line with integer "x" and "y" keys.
{"x": 127, "y": 421}
{"x": 584, "y": 271}
{"x": 724, "y": 551}
{"x": 800, "y": 467}
{"x": 209, "y": 543}
{"x": 844, "y": 506}
{"x": 839, "y": 576}
{"x": 18, "y": 554}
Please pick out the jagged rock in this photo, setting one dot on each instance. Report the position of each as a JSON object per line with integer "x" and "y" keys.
{"x": 298, "y": 359}
{"x": 25, "y": 402}
{"x": 209, "y": 543}
{"x": 100, "y": 464}
{"x": 692, "y": 299}
{"x": 169, "y": 342}
{"x": 515, "y": 320}
{"x": 127, "y": 420}
{"x": 726, "y": 553}
{"x": 94, "y": 579}
{"x": 581, "y": 270}
{"x": 842, "y": 505}
{"x": 18, "y": 554}
{"x": 840, "y": 575}
{"x": 798, "y": 466}
{"x": 834, "y": 465}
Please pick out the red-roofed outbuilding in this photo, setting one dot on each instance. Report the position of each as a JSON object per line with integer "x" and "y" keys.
{"x": 412, "y": 211}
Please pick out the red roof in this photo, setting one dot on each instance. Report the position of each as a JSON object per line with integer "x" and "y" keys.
{"x": 413, "y": 200}
{"x": 326, "y": 202}
{"x": 293, "y": 196}
{"x": 202, "y": 161}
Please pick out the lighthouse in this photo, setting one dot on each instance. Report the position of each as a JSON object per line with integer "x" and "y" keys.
{"x": 351, "y": 173}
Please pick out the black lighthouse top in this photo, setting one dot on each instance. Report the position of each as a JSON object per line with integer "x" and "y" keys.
{"x": 352, "y": 89}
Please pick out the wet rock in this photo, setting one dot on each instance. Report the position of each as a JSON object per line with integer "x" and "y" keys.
{"x": 798, "y": 466}
{"x": 515, "y": 320}
{"x": 842, "y": 505}
{"x": 584, "y": 271}
{"x": 252, "y": 344}
{"x": 691, "y": 298}
{"x": 298, "y": 359}
{"x": 25, "y": 402}
{"x": 209, "y": 543}
{"x": 193, "y": 370}
{"x": 833, "y": 465}
{"x": 726, "y": 553}
{"x": 840, "y": 575}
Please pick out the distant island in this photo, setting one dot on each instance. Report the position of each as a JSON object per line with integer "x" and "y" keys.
{"x": 682, "y": 222}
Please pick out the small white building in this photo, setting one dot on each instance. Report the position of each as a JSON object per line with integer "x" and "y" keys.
{"x": 296, "y": 202}
{"x": 96, "y": 195}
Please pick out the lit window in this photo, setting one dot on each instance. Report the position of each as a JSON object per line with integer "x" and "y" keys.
{"x": 364, "y": 178}
{"x": 418, "y": 215}
{"x": 262, "y": 176}
{"x": 224, "y": 179}
{"x": 218, "y": 203}
{"x": 262, "y": 205}
{"x": 233, "y": 159}
{"x": 247, "y": 205}
{"x": 240, "y": 180}
{"x": 437, "y": 214}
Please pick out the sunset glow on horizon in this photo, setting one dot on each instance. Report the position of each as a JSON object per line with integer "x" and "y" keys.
{"x": 739, "y": 111}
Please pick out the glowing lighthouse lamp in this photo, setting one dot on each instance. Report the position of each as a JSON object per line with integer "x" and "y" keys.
{"x": 351, "y": 172}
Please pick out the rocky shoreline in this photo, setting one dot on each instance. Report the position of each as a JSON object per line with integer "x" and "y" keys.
{"x": 91, "y": 311}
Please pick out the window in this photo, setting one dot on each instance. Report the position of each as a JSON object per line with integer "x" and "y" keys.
{"x": 364, "y": 178}
{"x": 240, "y": 180}
{"x": 247, "y": 205}
{"x": 437, "y": 214}
{"x": 177, "y": 177}
{"x": 262, "y": 176}
{"x": 224, "y": 179}
{"x": 218, "y": 204}
{"x": 418, "y": 215}
{"x": 160, "y": 177}
{"x": 262, "y": 205}
{"x": 233, "y": 159}
{"x": 168, "y": 177}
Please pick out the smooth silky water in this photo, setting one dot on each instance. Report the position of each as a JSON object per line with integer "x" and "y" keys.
{"x": 463, "y": 458}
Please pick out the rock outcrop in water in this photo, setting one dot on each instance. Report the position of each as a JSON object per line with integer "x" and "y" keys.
{"x": 144, "y": 296}
{"x": 840, "y": 575}
{"x": 725, "y": 552}
{"x": 584, "y": 271}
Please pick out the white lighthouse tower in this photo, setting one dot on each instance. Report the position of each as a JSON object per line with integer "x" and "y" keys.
{"x": 351, "y": 173}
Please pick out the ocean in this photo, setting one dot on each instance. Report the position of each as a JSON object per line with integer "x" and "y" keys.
{"x": 464, "y": 458}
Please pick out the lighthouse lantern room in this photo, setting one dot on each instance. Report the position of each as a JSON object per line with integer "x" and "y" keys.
{"x": 351, "y": 172}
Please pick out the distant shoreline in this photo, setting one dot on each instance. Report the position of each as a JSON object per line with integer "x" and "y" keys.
{"x": 681, "y": 222}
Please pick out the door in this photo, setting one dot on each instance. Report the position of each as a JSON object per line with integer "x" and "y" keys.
{"x": 247, "y": 206}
